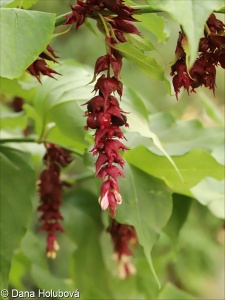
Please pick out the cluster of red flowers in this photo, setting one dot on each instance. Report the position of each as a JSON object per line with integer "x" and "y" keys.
{"x": 103, "y": 111}
{"x": 92, "y": 7}
{"x": 123, "y": 236}
{"x": 39, "y": 66}
{"x": 211, "y": 54}
{"x": 50, "y": 191}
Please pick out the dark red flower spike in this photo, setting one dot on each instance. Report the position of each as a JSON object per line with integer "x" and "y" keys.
{"x": 211, "y": 55}
{"x": 50, "y": 191}
{"x": 123, "y": 238}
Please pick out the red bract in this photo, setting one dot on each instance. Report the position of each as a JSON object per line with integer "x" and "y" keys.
{"x": 108, "y": 85}
{"x": 211, "y": 54}
{"x": 215, "y": 25}
{"x": 50, "y": 191}
{"x": 125, "y": 26}
{"x": 39, "y": 66}
{"x": 123, "y": 237}
{"x": 123, "y": 11}
{"x": 77, "y": 16}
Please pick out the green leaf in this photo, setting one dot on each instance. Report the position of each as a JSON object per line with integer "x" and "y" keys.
{"x": 191, "y": 14}
{"x": 60, "y": 101}
{"x": 14, "y": 87}
{"x": 34, "y": 250}
{"x": 31, "y": 113}
{"x": 25, "y": 4}
{"x": 147, "y": 64}
{"x": 56, "y": 136}
{"x": 181, "y": 207}
{"x": 218, "y": 154}
{"x": 210, "y": 192}
{"x": 140, "y": 42}
{"x": 82, "y": 207}
{"x": 21, "y": 33}
{"x": 179, "y": 137}
{"x": 154, "y": 24}
{"x": 194, "y": 166}
{"x": 17, "y": 188}
{"x": 212, "y": 110}
{"x": 147, "y": 205}
{"x": 90, "y": 26}
{"x": 5, "y": 2}
{"x": 138, "y": 118}
{"x": 170, "y": 291}
{"x": 13, "y": 120}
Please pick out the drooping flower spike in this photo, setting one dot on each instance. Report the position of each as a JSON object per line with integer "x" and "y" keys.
{"x": 123, "y": 238}
{"x": 211, "y": 53}
{"x": 103, "y": 110}
{"x": 50, "y": 191}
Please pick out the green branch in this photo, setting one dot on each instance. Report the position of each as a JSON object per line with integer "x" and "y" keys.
{"x": 18, "y": 140}
{"x": 141, "y": 9}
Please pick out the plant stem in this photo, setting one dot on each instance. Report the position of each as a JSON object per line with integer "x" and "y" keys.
{"x": 104, "y": 24}
{"x": 18, "y": 140}
{"x": 140, "y": 9}
{"x": 220, "y": 11}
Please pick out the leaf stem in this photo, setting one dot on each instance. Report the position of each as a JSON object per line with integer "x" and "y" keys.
{"x": 104, "y": 24}
{"x": 140, "y": 9}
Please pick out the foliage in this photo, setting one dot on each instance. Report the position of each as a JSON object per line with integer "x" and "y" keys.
{"x": 174, "y": 174}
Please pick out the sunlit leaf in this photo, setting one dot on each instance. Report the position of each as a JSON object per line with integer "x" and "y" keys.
{"x": 155, "y": 24}
{"x": 147, "y": 64}
{"x": 179, "y": 137}
{"x": 25, "y": 4}
{"x": 194, "y": 166}
{"x": 210, "y": 192}
{"x": 21, "y": 34}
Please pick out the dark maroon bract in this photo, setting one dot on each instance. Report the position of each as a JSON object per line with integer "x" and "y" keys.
{"x": 39, "y": 66}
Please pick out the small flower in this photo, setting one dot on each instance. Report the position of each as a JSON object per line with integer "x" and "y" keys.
{"x": 53, "y": 246}
{"x": 110, "y": 196}
{"x": 77, "y": 16}
{"x": 125, "y": 267}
